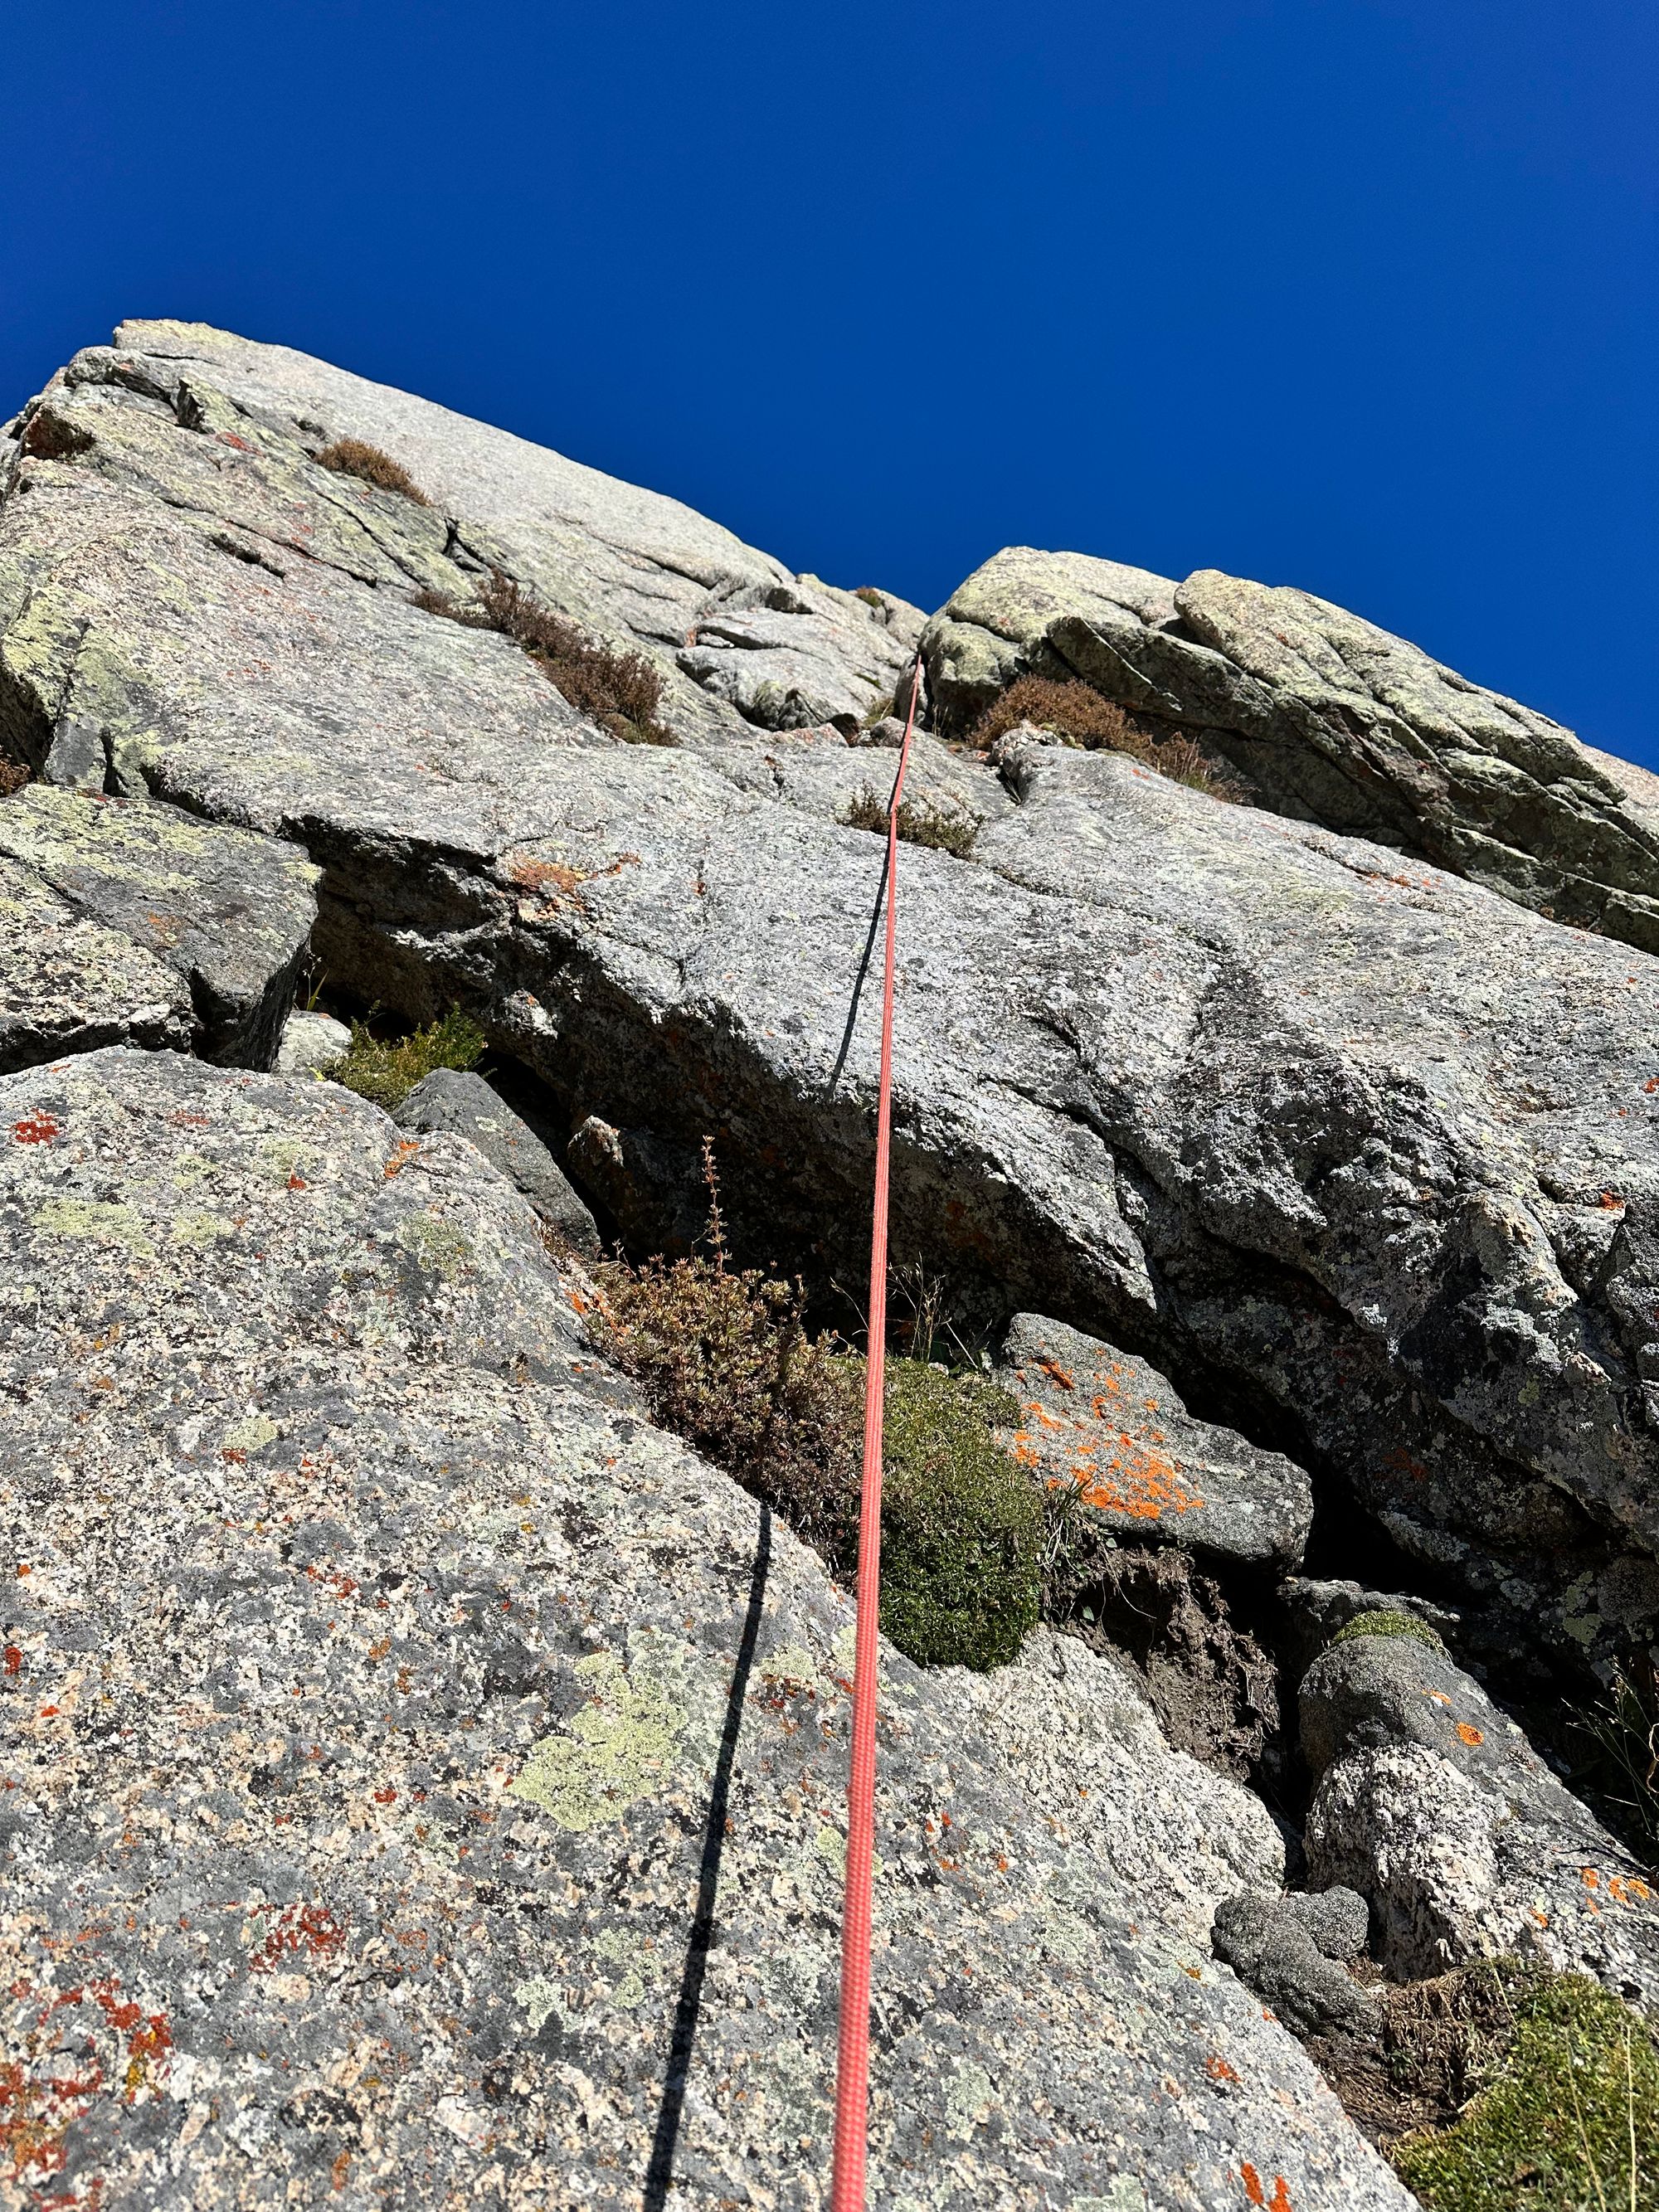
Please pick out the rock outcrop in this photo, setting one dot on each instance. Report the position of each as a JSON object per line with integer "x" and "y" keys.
{"x": 126, "y": 922}
{"x": 426, "y": 1777}
{"x": 1331, "y": 720}
{"x": 1360, "y": 1155}
{"x": 464, "y": 1105}
{"x": 1431, "y": 1802}
{"x": 1103, "y": 1426}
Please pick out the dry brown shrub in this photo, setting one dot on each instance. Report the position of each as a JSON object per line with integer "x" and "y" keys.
{"x": 13, "y": 776}
{"x": 1081, "y": 717}
{"x": 352, "y": 456}
{"x": 620, "y": 691}
{"x": 919, "y": 823}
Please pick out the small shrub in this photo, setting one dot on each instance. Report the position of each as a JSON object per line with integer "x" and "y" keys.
{"x": 387, "y": 1072}
{"x": 13, "y": 776}
{"x": 724, "y": 1360}
{"x": 919, "y": 823}
{"x": 351, "y": 457}
{"x": 961, "y": 1525}
{"x": 1388, "y": 1622}
{"x": 1567, "y": 2120}
{"x": 1079, "y": 714}
{"x": 620, "y": 691}
{"x": 871, "y": 597}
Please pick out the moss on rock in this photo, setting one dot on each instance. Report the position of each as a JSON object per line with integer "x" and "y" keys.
{"x": 1389, "y": 1621}
{"x": 1568, "y": 2119}
{"x": 962, "y": 1523}
{"x": 387, "y": 1072}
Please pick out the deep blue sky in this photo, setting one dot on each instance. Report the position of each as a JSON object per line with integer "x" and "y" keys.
{"x": 1357, "y": 294}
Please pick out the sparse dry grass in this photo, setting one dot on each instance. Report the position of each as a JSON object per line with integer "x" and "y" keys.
{"x": 353, "y": 457}
{"x": 1078, "y": 714}
{"x": 620, "y": 691}
{"x": 919, "y": 823}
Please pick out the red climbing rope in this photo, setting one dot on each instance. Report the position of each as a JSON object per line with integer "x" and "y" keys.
{"x": 852, "y": 2063}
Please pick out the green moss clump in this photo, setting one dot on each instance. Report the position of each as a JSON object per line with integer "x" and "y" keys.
{"x": 388, "y": 1072}
{"x": 1568, "y": 2121}
{"x": 1389, "y": 1620}
{"x": 961, "y": 1525}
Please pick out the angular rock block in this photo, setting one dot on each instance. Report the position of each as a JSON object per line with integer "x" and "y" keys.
{"x": 1103, "y": 1424}
{"x": 465, "y": 1105}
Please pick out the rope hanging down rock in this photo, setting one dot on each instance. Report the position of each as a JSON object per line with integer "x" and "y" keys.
{"x": 852, "y": 2062}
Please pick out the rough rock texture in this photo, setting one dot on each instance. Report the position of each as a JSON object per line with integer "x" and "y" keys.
{"x": 652, "y": 1189}
{"x": 1291, "y": 1950}
{"x": 1104, "y": 1425}
{"x": 1333, "y": 720}
{"x": 135, "y": 923}
{"x": 819, "y": 772}
{"x": 224, "y": 432}
{"x": 464, "y": 1105}
{"x": 424, "y": 1775}
{"x": 1431, "y": 1803}
{"x": 311, "y": 1043}
{"x": 1360, "y": 1155}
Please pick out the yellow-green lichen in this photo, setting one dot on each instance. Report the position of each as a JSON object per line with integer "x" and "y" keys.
{"x": 619, "y": 1747}
{"x": 94, "y": 1220}
{"x": 201, "y": 1230}
{"x": 250, "y": 1434}
{"x": 436, "y": 1244}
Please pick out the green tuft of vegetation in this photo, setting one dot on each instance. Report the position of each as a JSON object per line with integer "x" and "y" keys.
{"x": 387, "y": 1071}
{"x": 1389, "y": 1620}
{"x": 723, "y": 1359}
{"x": 1078, "y": 714}
{"x": 871, "y": 597}
{"x": 1567, "y": 2120}
{"x": 919, "y": 823}
{"x": 620, "y": 691}
{"x": 962, "y": 1523}
{"x": 353, "y": 457}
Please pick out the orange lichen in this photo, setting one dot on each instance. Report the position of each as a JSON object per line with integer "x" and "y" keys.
{"x": 1467, "y": 1734}
{"x": 401, "y": 1157}
{"x": 36, "y": 1129}
{"x": 1280, "y": 2199}
{"x": 1218, "y": 2070}
{"x": 1056, "y": 1373}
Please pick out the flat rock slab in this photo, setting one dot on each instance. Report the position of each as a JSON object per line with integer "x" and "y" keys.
{"x": 1431, "y": 1802}
{"x": 68, "y": 984}
{"x": 463, "y": 1103}
{"x": 223, "y": 912}
{"x": 426, "y": 1777}
{"x": 1102, "y": 1424}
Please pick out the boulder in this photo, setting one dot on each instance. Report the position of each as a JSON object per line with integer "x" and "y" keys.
{"x": 68, "y": 984}
{"x": 1431, "y": 1802}
{"x": 1328, "y": 1135}
{"x": 1293, "y": 1951}
{"x": 464, "y": 1105}
{"x": 427, "y": 1777}
{"x": 312, "y": 1042}
{"x": 226, "y": 913}
{"x": 1108, "y": 1427}
{"x": 1330, "y": 719}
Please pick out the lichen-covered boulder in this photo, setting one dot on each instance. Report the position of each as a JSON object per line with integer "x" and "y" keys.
{"x": 426, "y": 1778}
{"x": 1431, "y": 1802}
{"x": 1107, "y": 1429}
{"x": 1331, "y": 719}
{"x": 1292, "y": 1952}
{"x": 228, "y": 913}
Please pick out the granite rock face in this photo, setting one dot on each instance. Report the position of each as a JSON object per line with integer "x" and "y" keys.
{"x": 1359, "y": 1155}
{"x": 311, "y": 1043}
{"x": 1105, "y": 1425}
{"x": 130, "y": 922}
{"x": 1432, "y": 1802}
{"x": 426, "y": 1775}
{"x": 464, "y": 1105}
{"x": 1331, "y": 720}
{"x": 1292, "y": 1952}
